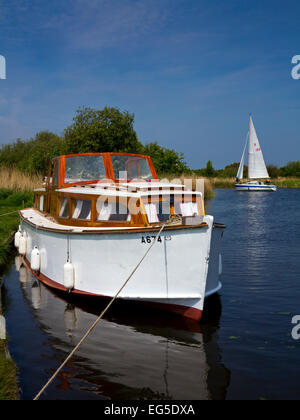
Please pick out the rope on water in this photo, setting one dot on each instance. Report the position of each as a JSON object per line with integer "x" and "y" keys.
{"x": 102, "y": 313}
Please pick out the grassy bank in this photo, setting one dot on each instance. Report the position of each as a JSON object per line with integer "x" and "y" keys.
{"x": 15, "y": 194}
{"x": 222, "y": 182}
{"x": 8, "y": 224}
{"x": 10, "y": 203}
{"x": 287, "y": 182}
{"x": 8, "y": 373}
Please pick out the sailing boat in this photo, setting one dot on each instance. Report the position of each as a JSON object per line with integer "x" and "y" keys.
{"x": 257, "y": 169}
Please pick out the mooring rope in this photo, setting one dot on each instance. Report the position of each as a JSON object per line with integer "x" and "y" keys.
{"x": 6, "y": 214}
{"x": 15, "y": 211}
{"x": 170, "y": 221}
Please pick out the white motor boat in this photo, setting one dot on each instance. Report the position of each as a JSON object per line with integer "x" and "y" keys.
{"x": 95, "y": 219}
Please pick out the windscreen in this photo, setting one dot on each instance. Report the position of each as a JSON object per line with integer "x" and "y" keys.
{"x": 131, "y": 167}
{"x": 84, "y": 168}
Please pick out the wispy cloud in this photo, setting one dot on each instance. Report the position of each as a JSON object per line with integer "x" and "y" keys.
{"x": 106, "y": 23}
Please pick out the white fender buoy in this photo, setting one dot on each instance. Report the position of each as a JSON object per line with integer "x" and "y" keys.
{"x": 18, "y": 235}
{"x": 69, "y": 276}
{"x": 220, "y": 265}
{"x": 23, "y": 244}
{"x": 35, "y": 259}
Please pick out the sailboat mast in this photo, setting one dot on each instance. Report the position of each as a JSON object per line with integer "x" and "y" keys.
{"x": 240, "y": 173}
{"x": 249, "y": 132}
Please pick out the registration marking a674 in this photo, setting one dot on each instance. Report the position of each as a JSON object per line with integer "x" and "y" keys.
{"x": 150, "y": 239}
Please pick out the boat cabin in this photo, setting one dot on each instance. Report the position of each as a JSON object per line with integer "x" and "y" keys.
{"x": 113, "y": 190}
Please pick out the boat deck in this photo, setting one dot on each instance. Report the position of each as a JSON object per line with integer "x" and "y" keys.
{"x": 43, "y": 221}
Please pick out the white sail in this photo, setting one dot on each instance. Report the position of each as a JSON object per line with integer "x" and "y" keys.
{"x": 257, "y": 167}
{"x": 240, "y": 173}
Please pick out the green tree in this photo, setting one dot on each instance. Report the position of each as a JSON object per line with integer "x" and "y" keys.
{"x": 273, "y": 171}
{"x": 46, "y": 146}
{"x": 209, "y": 170}
{"x": 166, "y": 161}
{"x": 99, "y": 131}
{"x": 34, "y": 155}
{"x": 291, "y": 169}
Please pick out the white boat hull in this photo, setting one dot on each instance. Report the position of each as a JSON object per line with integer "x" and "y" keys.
{"x": 180, "y": 270}
{"x": 255, "y": 187}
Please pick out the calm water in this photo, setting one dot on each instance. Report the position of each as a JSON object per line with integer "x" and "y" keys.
{"x": 243, "y": 349}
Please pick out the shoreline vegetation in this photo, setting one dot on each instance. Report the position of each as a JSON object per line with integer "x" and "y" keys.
{"x": 281, "y": 182}
{"x": 11, "y": 200}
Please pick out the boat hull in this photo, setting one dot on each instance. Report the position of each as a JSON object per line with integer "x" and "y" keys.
{"x": 251, "y": 187}
{"x": 180, "y": 270}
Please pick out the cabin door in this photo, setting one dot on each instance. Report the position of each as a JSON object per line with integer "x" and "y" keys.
{"x": 52, "y": 186}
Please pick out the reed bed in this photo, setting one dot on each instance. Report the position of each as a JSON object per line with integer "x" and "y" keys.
{"x": 223, "y": 182}
{"x": 287, "y": 182}
{"x": 15, "y": 180}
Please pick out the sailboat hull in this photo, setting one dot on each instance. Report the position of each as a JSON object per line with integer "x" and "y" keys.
{"x": 255, "y": 187}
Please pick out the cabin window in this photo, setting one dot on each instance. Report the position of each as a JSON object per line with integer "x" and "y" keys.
{"x": 54, "y": 173}
{"x": 41, "y": 203}
{"x": 116, "y": 212}
{"x": 151, "y": 211}
{"x": 163, "y": 210}
{"x": 84, "y": 168}
{"x": 64, "y": 208}
{"x": 186, "y": 209}
{"x": 120, "y": 213}
{"x": 158, "y": 212}
{"x": 82, "y": 210}
{"x": 104, "y": 211}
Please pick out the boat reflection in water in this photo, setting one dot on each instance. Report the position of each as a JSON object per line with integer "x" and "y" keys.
{"x": 132, "y": 353}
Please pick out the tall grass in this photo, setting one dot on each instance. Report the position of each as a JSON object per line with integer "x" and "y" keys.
{"x": 15, "y": 192}
{"x": 287, "y": 182}
{"x": 15, "y": 180}
{"x": 223, "y": 182}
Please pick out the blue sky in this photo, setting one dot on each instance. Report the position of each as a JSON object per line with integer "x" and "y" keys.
{"x": 190, "y": 70}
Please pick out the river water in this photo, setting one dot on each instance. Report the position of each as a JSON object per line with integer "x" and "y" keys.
{"x": 243, "y": 348}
